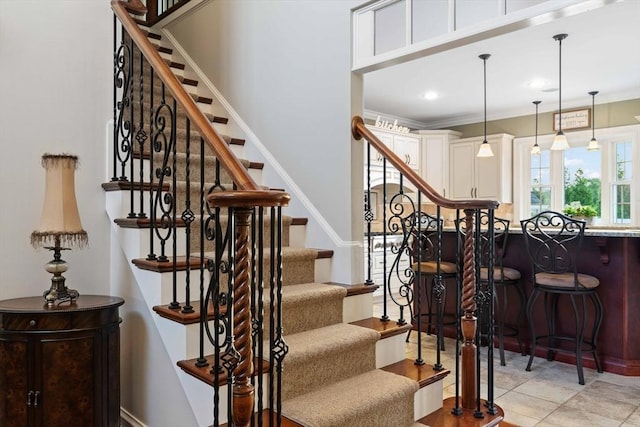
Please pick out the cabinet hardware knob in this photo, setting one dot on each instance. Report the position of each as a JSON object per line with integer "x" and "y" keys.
{"x": 35, "y": 400}
{"x": 29, "y": 396}
{"x": 32, "y": 323}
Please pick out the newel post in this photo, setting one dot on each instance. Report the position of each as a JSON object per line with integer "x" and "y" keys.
{"x": 243, "y": 390}
{"x": 469, "y": 320}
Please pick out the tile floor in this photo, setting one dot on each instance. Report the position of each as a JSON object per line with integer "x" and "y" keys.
{"x": 548, "y": 395}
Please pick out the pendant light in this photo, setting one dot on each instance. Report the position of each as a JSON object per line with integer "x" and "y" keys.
{"x": 593, "y": 144}
{"x": 485, "y": 147}
{"x": 560, "y": 140}
{"x": 535, "y": 150}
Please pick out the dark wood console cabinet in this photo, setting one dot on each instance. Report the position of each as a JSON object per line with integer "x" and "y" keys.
{"x": 60, "y": 366}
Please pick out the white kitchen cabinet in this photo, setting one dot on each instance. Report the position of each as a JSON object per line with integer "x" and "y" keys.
{"x": 472, "y": 177}
{"x": 435, "y": 158}
{"x": 405, "y": 145}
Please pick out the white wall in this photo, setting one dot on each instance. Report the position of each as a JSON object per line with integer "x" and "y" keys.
{"x": 284, "y": 66}
{"x": 55, "y": 86}
{"x": 56, "y": 96}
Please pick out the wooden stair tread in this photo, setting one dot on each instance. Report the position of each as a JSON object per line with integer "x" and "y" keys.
{"x": 357, "y": 289}
{"x": 444, "y": 418}
{"x": 299, "y": 221}
{"x": 126, "y": 186}
{"x": 286, "y": 422}
{"x": 204, "y": 374}
{"x": 146, "y": 155}
{"x": 386, "y": 329}
{"x": 167, "y": 266}
{"x": 422, "y": 374}
{"x": 325, "y": 253}
{"x": 176, "y": 315}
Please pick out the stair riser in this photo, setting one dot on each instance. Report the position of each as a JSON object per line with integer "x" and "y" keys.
{"x": 391, "y": 350}
{"x": 427, "y": 400}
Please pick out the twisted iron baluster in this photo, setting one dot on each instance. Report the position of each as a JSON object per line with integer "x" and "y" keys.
{"x": 188, "y": 217}
{"x": 141, "y": 136}
{"x": 368, "y": 217}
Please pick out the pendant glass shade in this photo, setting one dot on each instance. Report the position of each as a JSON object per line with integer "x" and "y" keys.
{"x": 485, "y": 148}
{"x": 535, "y": 150}
{"x": 593, "y": 144}
{"x": 560, "y": 140}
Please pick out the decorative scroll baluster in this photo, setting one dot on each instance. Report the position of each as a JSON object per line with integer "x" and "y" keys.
{"x": 280, "y": 348}
{"x": 164, "y": 200}
{"x": 152, "y": 191}
{"x": 122, "y": 127}
{"x": 438, "y": 291}
{"x": 174, "y": 209}
{"x": 491, "y": 407}
{"x": 131, "y": 105}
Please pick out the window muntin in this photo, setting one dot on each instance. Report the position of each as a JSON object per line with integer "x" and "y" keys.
{"x": 621, "y": 190}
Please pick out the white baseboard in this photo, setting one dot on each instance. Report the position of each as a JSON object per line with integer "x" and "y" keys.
{"x": 125, "y": 415}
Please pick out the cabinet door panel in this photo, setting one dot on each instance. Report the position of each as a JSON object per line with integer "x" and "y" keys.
{"x": 488, "y": 174}
{"x": 68, "y": 382}
{"x": 461, "y": 172}
{"x": 13, "y": 383}
{"x": 408, "y": 149}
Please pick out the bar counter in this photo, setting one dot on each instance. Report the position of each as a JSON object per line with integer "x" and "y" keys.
{"x": 611, "y": 255}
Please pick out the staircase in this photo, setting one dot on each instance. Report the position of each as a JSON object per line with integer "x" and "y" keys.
{"x": 335, "y": 364}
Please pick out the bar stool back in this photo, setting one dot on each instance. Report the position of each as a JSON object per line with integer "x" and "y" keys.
{"x": 431, "y": 273}
{"x": 553, "y": 242}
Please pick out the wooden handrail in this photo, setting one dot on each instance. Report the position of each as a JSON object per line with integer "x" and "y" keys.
{"x": 359, "y": 131}
{"x": 229, "y": 161}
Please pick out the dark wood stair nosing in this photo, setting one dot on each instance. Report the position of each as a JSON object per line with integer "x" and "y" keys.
{"x": 202, "y": 373}
{"x": 385, "y": 328}
{"x": 176, "y": 315}
{"x": 424, "y": 375}
{"x": 357, "y": 289}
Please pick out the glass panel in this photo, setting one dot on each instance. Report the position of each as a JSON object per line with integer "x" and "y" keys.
{"x": 582, "y": 178}
{"x": 514, "y": 5}
{"x": 470, "y": 12}
{"x": 622, "y": 203}
{"x": 623, "y": 161}
{"x": 390, "y": 27}
{"x": 540, "y": 199}
{"x": 430, "y": 19}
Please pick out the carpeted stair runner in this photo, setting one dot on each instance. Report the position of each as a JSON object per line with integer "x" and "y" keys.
{"x": 329, "y": 374}
{"x": 372, "y": 399}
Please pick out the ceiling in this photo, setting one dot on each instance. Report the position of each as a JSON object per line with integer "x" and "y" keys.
{"x": 601, "y": 53}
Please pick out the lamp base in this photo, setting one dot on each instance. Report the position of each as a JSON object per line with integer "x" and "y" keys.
{"x": 58, "y": 292}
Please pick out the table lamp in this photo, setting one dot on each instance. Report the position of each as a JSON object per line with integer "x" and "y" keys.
{"x": 60, "y": 227}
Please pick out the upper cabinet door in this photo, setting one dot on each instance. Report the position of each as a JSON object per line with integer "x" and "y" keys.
{"x": 386, "y": 139}
{"x": 461, "y": 170}
{"x": 408, "y": 149}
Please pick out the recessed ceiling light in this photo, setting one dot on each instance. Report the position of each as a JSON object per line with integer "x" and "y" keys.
{"x": 431, "y": 95}
{"x": 538, "y": 83}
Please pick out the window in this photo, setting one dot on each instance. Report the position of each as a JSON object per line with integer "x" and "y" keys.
{"x": 603, "y": 179}
{"x": 622, "y": 183}
{"x": 540, "y": 182}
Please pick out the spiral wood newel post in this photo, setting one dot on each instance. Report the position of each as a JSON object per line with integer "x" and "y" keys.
{"x": 243, "y": 390}
{"x": 469, "y": 320}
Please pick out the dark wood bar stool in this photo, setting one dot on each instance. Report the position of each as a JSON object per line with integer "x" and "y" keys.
{"x": 553, "y": 242}
{"x": 432, "y": 277}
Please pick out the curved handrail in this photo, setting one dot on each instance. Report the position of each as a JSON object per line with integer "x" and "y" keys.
{"x": 229, "y": 161}
{"x": 359, "y": 131}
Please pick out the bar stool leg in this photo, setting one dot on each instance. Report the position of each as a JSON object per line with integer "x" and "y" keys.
{"x": 597, "y": 322}
{"x": 521, "y": 310}
{"x": 579, "y": 334}
{"x": 530, "y": 303}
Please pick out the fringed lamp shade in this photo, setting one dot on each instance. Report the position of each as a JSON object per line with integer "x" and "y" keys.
{"x": 60, "y": 221}
{"x": 60, "y": 227}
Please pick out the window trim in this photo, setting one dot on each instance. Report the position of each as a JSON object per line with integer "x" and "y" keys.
{"x": 606, "y": 137}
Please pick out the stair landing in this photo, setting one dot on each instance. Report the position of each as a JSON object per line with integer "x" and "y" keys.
{"x": 444, "y": 418}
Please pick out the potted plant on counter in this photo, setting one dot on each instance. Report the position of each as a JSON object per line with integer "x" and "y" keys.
{"x": 577, "y": 211}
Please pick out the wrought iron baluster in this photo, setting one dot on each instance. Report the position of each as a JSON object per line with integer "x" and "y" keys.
{"x": 491, "y": 407}
{"x": 368, "y": 217}
{"x": 439, "y": 290}
{"x": 174, "y": 241}
{"x": 204, "y": 301}
{"x": 131, "y": 105}
{"x": 141, "y": 136}
{"x": 122, "y": 127}
{"x": 480, "y": 310}
{"x": 281, "y": 349}
{"x": 152, "y": 190}
{"x": 187, "y": 217}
